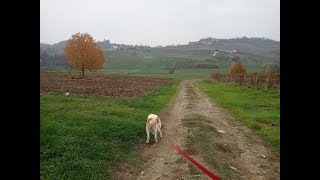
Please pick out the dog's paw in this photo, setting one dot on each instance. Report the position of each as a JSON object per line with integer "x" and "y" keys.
{"x": 156, "y": 141}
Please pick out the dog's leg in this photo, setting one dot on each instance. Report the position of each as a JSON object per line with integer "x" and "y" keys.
{"x": 148, "y": 136}
{"x": 159, "y": 126}
{"x": 159, "y": 129}
{"x": 155, "y": 134}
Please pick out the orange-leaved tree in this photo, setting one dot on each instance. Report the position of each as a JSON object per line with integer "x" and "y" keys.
{"x": 237, "y": 71}
{"x": 237, "y": 68}
{"x": 82, "y": 52}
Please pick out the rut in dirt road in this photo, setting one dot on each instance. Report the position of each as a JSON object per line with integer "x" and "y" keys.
{"x": 211, "y": 137}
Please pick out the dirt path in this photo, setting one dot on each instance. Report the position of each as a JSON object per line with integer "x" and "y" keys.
{"x": 232, "y": 150}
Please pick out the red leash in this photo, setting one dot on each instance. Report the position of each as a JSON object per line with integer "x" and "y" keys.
{"x": 203, "y": 169}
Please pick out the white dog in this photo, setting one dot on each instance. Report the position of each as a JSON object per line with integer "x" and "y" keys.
{"x": 154, "y": 125}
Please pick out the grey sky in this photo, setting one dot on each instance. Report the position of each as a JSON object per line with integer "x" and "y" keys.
{"x": 158, "y": 22}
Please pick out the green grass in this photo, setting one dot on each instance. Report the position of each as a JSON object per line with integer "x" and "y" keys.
{"x": 152, "y": 63}
{"x": 87, "y": 137}
{"x": 198, "y": 128}
{"x": 256, "y": 109}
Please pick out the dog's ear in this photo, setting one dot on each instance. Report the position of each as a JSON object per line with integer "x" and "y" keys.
{"x": 157, "y": 120}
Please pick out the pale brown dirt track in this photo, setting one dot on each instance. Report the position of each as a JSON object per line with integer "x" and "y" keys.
{"x": 106, "y": 85}
{"x": 243, "y": 153}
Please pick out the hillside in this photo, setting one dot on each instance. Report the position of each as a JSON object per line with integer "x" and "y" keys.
{"x": 260, "y": 47}
{"x": 206, "y": 53}
{"x": 51, "y": 56}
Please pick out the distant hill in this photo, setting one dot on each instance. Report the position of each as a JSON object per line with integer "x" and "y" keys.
{"x": 209, "y": 51}
{"x": 52, "y": 55}
{"x": 260, "y": 47}
{"x": 58, "y": 47}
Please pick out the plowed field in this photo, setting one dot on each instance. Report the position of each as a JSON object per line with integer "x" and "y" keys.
{"x": 107, "y": 85}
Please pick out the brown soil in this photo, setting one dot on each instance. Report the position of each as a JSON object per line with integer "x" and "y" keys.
{"x": 107, "y": 85}
{"x": 242, "y": 154}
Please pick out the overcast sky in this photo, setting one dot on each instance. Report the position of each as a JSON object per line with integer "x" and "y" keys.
{"x": 158, "y": 22}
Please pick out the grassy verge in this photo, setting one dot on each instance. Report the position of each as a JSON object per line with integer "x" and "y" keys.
{"x": 87, "y": 137}
{"x": 257, "y": 109}
{"x": 198, "y": 128}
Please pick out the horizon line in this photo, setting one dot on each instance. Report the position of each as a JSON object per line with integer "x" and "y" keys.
{"x": 140, "y": 44}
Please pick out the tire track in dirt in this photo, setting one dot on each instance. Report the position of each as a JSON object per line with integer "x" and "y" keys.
{"x": 238, "y": 153}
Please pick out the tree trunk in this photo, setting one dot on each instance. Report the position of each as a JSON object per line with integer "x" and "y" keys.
{"x": 244, "y": 79}
{"x": 267, "y": 82}
{"x": 82, "y": 72}
{"x": 257, "y": 81}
